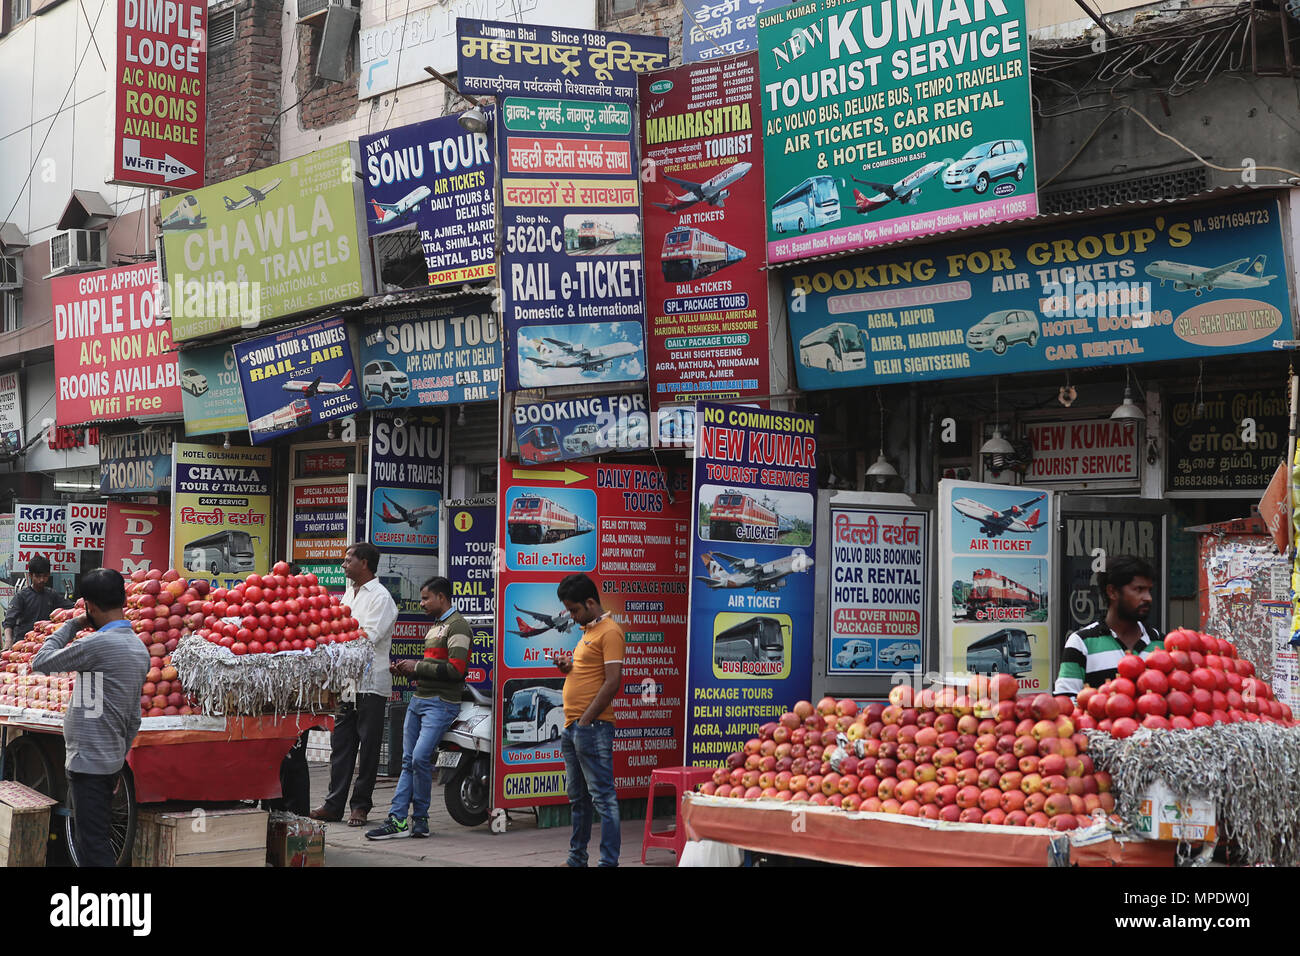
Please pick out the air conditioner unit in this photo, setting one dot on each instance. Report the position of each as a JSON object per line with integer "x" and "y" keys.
{"x": 78, "y": 250}
{"x": 310, "y": 11}
{"x": 11, "y": 273}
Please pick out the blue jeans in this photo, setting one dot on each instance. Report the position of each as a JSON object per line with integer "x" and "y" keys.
{"x": 589, "y": 771}
{"x": 427, "y": 719}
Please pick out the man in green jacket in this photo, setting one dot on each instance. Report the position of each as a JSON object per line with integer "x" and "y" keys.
{"x": 439, "y": 681}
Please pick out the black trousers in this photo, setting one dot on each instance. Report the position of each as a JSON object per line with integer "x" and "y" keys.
{"x": 92, "y": 802}
{"x": 358, "y": 731}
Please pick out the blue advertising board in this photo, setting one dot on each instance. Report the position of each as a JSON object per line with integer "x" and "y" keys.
{"x": 443, "y": 354}
{"x": 297, "y": 378}
{"x": 436, "y": 178}
{"x": 713, "y": 30}
{"x": 210, "y": 394}
{"x": 751, "y": 612}
{"x": 581, "y": 427}
{"x": 135, "y": 463}
{"x": 408, "y": 468}
{"x": 496, "y": 57}
{"x": 1169, "y": 283}
{"x": 471, "y": 556}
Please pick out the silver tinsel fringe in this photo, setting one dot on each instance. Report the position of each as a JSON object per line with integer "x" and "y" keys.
{"x": 229, "y": 684}
{"x": 1250, "y": 770}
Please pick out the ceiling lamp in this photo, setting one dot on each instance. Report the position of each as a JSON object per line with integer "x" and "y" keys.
{"x": 997, "y": 445}
{"x": 882, "y": 470}
{"x": 1128, "y": 410}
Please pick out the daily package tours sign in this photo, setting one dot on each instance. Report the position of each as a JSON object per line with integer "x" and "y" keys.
{"x": 752, "y": 591}
{"x": 888, "y": 121}
{"x": 113, "y": 353}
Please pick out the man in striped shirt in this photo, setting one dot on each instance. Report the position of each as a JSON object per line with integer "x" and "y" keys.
{"x": 1092, "y": 653}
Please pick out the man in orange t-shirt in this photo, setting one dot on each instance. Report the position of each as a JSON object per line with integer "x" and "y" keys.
{"x": 593, "y": 672}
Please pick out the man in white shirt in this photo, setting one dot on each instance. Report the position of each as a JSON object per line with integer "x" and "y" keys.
{"x": 359, "y": 725}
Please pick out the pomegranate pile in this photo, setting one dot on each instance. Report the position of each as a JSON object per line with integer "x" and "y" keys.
{"x": 977, "y": 755}
{"x": 1196, "y": 681}
{"x": 276, "y": 612}
{"x": 163, "y": 608}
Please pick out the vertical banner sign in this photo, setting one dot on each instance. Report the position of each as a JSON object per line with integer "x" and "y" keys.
{"x": 995, "y": 580}
{"x": 135, "y": 463}
{"x": 627, "y": 528}
{"x": 706, "y": 293}
{"x": 891, "y": 121}
{"x": 713, "y": 30}
{"x": 11, "y": 415}
{"x": 752, "y": 526}
{"x": 136, "y": 538}
{"x": 7, "y": 548}
{"x": 86, "y": 526}
{"x": 297, "y": 378}
{"x": 42, "y": 529}
{"x": 318, "y": 521}
{"x": 444, "y": 354}
{"x": 879, "y": 591}
{"x": 162, "y": 63}
{"x": 437, "y": 179}
{"x": 470, "y": 565}
{"x": 210, "y": 391}
{"x": 221, "y": 506}
{"x": 112, "y": 354}
{"x": 407, "y": 475}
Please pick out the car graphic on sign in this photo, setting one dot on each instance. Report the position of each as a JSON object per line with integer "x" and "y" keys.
{"x": 901, "y": 651}
{"x": 382, "y": 377}
{"x": 986, "y": 162}
{"x": 193, "y": 381}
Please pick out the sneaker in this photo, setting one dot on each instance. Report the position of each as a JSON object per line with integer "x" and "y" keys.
{"x": 392, "y": 828}
{"x": 419, "y": 827}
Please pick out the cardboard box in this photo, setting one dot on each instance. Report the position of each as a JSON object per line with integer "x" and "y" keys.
{"x": 201, "y": 837}
{"x": 293, "y": 841}
{"x": 24, "y": 825}
{"x": 1161, "y": 816}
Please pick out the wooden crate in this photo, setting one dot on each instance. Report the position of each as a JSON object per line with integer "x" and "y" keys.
{"x": 24, "y": 825}
{"x": 234, "y": 837}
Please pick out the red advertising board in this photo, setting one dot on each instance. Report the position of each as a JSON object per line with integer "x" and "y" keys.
{"x": 162, "y": 71}
{"x": 112, "y": 353}
{"x": 137, "y": 537}
{"x": 627, "y": 527}
{"x": 706, "y": 293}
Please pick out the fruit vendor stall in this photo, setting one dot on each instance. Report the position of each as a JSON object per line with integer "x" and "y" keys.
{"x": 217, "y": 719}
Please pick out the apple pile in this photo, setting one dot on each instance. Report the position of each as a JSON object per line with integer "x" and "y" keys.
{"x": 275, "y": 612}
{"x": 973, "y": 755}
{"x": 21, "y": 688}
{"x": 1196, "y": 681}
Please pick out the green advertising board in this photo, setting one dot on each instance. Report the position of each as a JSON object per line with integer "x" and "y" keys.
{"x": 283, "y": 240}
{"x": 885, "y": 121}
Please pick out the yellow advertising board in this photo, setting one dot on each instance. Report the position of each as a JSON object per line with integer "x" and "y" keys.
{"x": 221, "y": 512}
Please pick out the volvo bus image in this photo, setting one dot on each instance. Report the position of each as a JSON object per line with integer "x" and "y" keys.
{"x": 534, "y": 715}
{"x": 537, "y": 520}
{"x": 736, "y": 516}
{"x": 692, "y": 253}
{"x": 540, "y": 443}
{"x": 225, "y": 552}
{"x": 593, "y": 233}
{"x": 1002, "y": 652}
{"x": 814, "y": 202}
{"x": 754, "y": 646}
{"x": 838, "y": 347}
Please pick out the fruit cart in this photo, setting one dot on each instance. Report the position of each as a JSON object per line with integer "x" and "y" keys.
{"x": 172, "y": 758}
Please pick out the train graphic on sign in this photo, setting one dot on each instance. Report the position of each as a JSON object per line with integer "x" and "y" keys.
{"x": 594, "y": 232}
{"x": 692, "y": 254}
{"x": 534, "y": 519}
{"x": 992, "y": 589}
{"x": 737, "y": 516}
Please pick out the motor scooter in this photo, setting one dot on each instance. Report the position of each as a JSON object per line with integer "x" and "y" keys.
{"x": 464, "y": 760}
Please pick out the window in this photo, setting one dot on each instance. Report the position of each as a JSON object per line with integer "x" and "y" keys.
{"x": 18, "y": 11}
{"x": 621, "y": 8}
{"x": 11, "y": 311}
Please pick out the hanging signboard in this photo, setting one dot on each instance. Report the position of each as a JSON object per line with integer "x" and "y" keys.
{"x": 718, "y": 29}
{"x": 221, "y": 506}
{"x": 8, "y": 541}
{"x": 879, "y": 591}
{"x": 1083, "y": 452}
{"x": 42, "y": 529}
{"x": 112, "y": 353}
{"x": 496, "y": 57}
{"x": 210, "y": 391}
{"x": 136, "y": 537}
{"x": 1225, "y": 441}
{"x": 297, "y": 378}
{"x": 318, "y": 520}
{"x": 701, "y": 129}
{"x": 85, "y": 526}
{"x": 442, "y": 354}
{"x": 581, "y": 427}
{"x": 1088, "y": 539}
{"x": 161, "y": 100}
{"x": 881, "y": 126}
{"x": 1191, "y": 282}
{"x": 995, "y": 580}
{"x": 627, "y": 528}
{"x": 11, "y": 415}
{"x": 272, "y": 243}
{"x": 408, "y": 457}
{"x": 135, "y": 463}
{"x": 435, "y": 178}
{"x": 751, "y": 612}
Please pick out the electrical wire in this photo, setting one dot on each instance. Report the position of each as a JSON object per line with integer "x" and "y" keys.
{"x": 1202, "y": 160}
{"x": 397, "y": 72}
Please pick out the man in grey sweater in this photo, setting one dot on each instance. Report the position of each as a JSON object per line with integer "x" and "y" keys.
{"x": 104, "y": 713}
